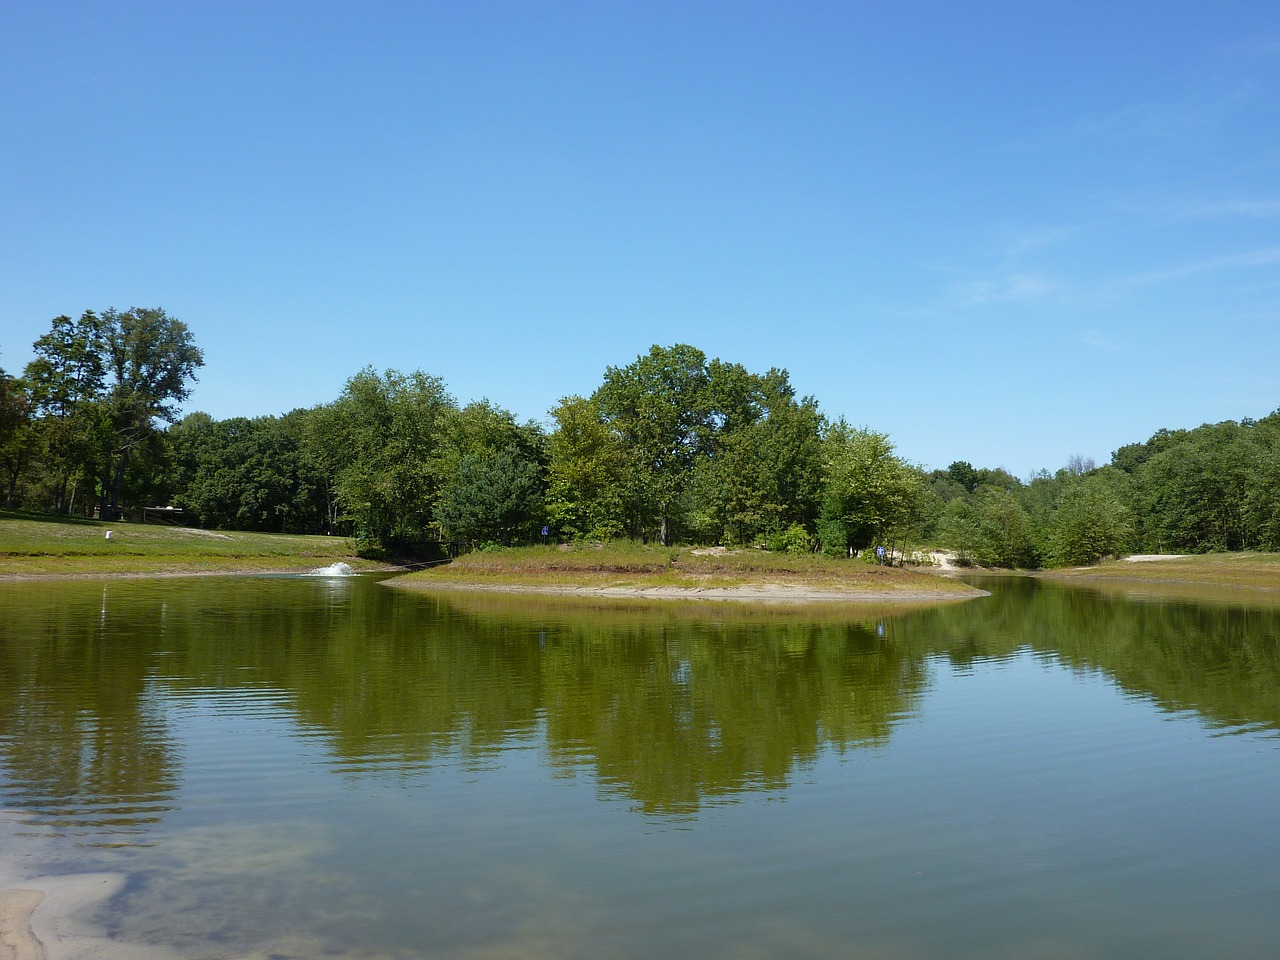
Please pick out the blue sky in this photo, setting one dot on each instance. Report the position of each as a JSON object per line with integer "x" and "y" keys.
{"x": 1000, "y": 232}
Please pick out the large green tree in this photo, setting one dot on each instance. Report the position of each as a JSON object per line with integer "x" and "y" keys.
{"x": 153, "y": 360}
{"x": 491, "y": 476}
{"x": 1091, "y": 521}
{"x": 246, "y": 474}
{"x": 68, "y": 380}
{"x": 16, "y": 435}
{"x": 492, "y": 497}
{"x": 587, "y": 472}
{"x": 661, "y": 408}
{"x": 382, "y": 439}
{"x": 871, "y": 496}
{"x": 763, "y": 470}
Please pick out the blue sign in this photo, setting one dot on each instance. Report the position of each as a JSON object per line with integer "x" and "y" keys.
{"x": 545, "y": 531}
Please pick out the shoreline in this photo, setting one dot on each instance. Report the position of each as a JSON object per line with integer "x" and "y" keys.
{"x": 1221, "y": 576}
{"x": 43, "y": 918}
{"x": 177, "y": 574}
{"x": 762, "y": 592}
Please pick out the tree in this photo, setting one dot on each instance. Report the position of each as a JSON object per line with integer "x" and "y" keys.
{"x": 763, "y": 470}
{"x": 962, "y": 472}
{"x": 245, "y": 474}
{"x": 67, "y": 381}
{"x": 153, "y": 361}
{"x": 481, "y": 429}
{"x": 586, "y": 470}
{"x": 1091, "y": 521}
{"x": 381, "y": 438}
{"x": 660, "y": 407}
{"x": 871, "y": 495}
{"x": 1005, "y": 531}
{"x": 1195, "y": 493}
{"x": 16, "y": 434}
{"x": 493, "y": 497}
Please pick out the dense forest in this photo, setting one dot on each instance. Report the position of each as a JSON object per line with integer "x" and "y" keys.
{"x": 672, "y": 447}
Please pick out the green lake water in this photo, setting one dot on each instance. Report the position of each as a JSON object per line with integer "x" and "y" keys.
{"x": 304, "y": 767}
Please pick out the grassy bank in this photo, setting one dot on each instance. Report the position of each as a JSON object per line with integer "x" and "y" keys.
{"x": 633, "y": 567}
{"x": 1234, "y": 571}
{"x": 42, "y": 547}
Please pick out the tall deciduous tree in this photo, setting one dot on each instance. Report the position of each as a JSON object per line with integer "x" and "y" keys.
{"x": 871, "y": 494}
{"x": 1091, "y": 521}
{"x": 587, "y": 469}
{"x": 153, "y": 362}
{"x": 661, "y": 408}
{"x": 383, "y": 436}
{"x": 67, "y": 379}
{"x": 763, "y": 472}
{"x": 16, "y": 435}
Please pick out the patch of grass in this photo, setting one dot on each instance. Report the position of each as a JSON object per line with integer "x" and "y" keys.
{"x": 57, "y": 546}
{"x": 1258, "y": 571}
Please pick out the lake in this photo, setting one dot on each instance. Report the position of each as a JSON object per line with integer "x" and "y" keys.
{"x": 305, "y": 767}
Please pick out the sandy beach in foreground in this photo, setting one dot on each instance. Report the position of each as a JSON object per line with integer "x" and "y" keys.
{"x": 43, "y": 918}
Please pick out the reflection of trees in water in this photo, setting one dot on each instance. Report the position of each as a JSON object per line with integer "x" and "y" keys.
{"x": 674, "y": 712}
{"x": 664, "y": 708}
{"x": 83, "y": 741}
{"x": 1217, "y": 659}
{"x": 667, "y": 709}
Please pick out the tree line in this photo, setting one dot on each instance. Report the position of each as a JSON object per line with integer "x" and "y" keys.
{"x": 672, "y": 447}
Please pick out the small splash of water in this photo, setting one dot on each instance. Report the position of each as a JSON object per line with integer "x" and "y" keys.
{"x": 338, "y": 569}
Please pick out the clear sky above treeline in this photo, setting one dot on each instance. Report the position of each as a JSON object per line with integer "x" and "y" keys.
{"x": 1000, "y": 232}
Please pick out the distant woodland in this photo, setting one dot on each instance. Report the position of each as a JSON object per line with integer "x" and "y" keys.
{"x": 672, "y": 447}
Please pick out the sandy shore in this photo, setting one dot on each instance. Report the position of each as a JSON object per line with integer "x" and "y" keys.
{"x": 756, "y": 593}
{"x": 44, "y": 919}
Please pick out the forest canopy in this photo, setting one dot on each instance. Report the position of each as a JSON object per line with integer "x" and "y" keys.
{"x": 671, "y": 447}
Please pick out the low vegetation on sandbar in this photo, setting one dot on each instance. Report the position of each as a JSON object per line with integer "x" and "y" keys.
{"x": 1246, "y": 571}
{"x": 31, "y": 547}
{"x": 638, "y": 567}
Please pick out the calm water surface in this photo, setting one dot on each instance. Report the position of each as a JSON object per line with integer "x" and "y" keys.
{"x": 299, "y": 767}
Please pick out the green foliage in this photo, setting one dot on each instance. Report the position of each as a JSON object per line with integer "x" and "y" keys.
{"x": 961, "y": 530}
{"x": 871, "y": 495}
{"x": 17, "y": 435}
{"x": 961, "y": 472}
{"x": 764, "y": 467}
{"x": 587, "y": 473}
{"x": 795, "y": 540}
{"x": 382, "y": 439}
{"x": 670, "y": 446}
{"x": 99, "y": 385}
{"x": 242, "y": 474}
{"x": 1091, "y": 522}
{"x": 492, "y": 498}
{"x": 991, "y": 530}
{"x": 1204, "y": 492}
{"x": 661, "y": 408}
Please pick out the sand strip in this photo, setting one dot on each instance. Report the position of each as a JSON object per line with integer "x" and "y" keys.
{"x": 760, "y": 593}
{"x": 17, "y": 942}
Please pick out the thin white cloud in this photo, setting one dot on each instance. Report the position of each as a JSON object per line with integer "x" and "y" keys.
{"x": 1099, "y": 341}
{"x": 1012, "y": 288}
{"x": 1262, "y": 257}
{"x": 1243, "y": 208}
{"x": 1194, "y": 114}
